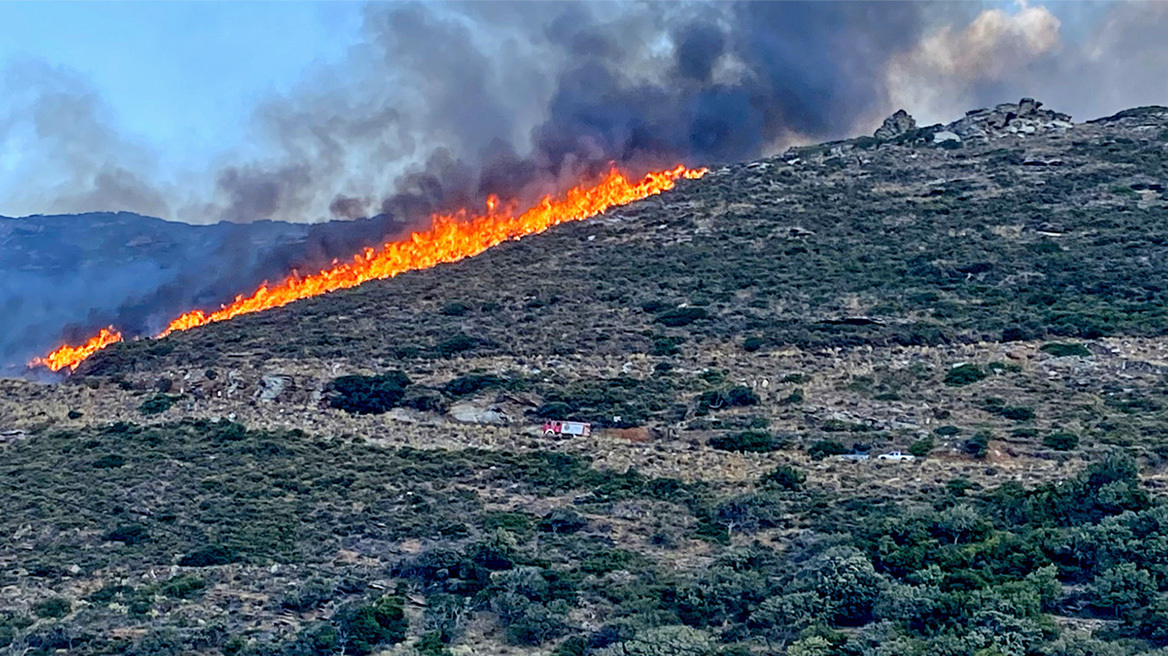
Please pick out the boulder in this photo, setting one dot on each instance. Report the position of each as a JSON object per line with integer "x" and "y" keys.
{"x": 468, "y": 413}
{"x": 895, "y": 125}
{"x": 271, "y": 386}
{"x": 945, "y": 135}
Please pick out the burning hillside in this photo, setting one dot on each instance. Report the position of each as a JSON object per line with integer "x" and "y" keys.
{"x": 450, "y": 237}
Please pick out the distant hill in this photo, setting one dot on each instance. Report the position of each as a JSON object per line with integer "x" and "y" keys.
{"x": 86, "y": 270}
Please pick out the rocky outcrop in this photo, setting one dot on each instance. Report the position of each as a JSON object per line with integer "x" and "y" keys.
{"x": 1021, "y": 118}
{"x": 271, "y": 386}
{"x": 895, "y": 125}
{"x": 468, "y": 413}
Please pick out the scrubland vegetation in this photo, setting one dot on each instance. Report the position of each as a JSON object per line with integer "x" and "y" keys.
{"x": 995, "y": 309}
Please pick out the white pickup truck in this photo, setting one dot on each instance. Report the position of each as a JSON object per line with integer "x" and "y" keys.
{"x": 896, "y": 456}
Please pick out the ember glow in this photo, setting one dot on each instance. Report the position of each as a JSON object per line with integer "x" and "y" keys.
{"x": 449, "y": 238}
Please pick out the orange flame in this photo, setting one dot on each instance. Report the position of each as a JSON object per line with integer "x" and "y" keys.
{"x": 71, "y": 356}
{"x": 449, "y": 238}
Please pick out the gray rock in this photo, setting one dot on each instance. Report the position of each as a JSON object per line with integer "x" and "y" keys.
{"x": 271, "y": 386}
{"x": 1028, "y": 107}
{"x": 945, "y": 135}
{"x": 896, "y": 125}
{"x": 471, "y": 414}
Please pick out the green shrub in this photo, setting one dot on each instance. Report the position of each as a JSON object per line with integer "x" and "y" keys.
{"x": 664, "y": 345}
{"x": 964, "y": 374}
{"x": 946, "y": 431}
{"x": 455, "y": 345}
{"x": 746, "y": 441}
{"x": 785, "y": 477}
{"x": 554, "y": 410}
{"x": 431, "y": 644}
{"x": 959, "y": 486}
{"x": 752, "y": 344}
{"x": 512, "y": 522}
{"x": 209, "y": 556}
{"x": 157, "y": 404}
{"x": 824, "y": 448}
{"x": 1122, "y": 589}
{"x": 183, "y": 586}
{"x": 455, "y": 309}
{"x": 369, "y": 626}
{"x": 794, "y": 398}
{"x": 978, "y": 446}
{"x": 537, "y": 623}
{"x": 1011, "y": 412}
{"x": 1061, "y": 441}
{"x": 739, "y": 396}
{"x": 128, "y": 534}
{"x": 562, "y": 520}
{"x": 921, "y": 448}
{"x": 682, "y": 316}
{"x": 367, "y": 394}
{"x": 1060, "y": 350}
{"x": 54, "y": 607}
{"x": 423, "y": 399}
{"x": 612, "y": 560}
{"x": 472, "y": 383}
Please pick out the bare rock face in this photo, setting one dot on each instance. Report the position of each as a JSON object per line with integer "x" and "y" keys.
{"x": 896, "y": 125}
{"x": 468, "y": 413}
{"x": 1021, "y": 118}
{"x": 271, "y": 386}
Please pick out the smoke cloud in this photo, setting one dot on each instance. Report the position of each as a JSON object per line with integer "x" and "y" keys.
{"x": 443, "y": 103}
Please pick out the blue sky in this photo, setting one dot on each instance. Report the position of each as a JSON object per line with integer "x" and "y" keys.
{"x": 183, "y": 76}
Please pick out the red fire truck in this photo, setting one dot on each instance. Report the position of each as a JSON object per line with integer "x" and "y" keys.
{"x": 572, "y": 428}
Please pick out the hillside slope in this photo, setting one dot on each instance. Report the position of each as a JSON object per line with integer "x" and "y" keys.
{"x": 1018, "y": 236}
{"x": 87, "y": 270}
{"x": 367, "y": 472}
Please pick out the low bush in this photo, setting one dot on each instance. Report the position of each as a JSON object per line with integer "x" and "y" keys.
{"x": 978, "y": 446}
{"x": 452, "y": 346}
{"x": 562, "y": 520}
{"x": 682, "y": 316}
{"x": 472, "y": 383}
{"x": 964, "y": 374}
{"x": 921, "y": 448}
{"x": 1063, "y": 350}
{"x": 128, "y": 534}
{"x": 368, "y": 626}
{"x": 1061, "y": 441}
{"x": 739, "y": 396}
{"x": 183, "y": 586}
{"x": 824, "y": 448}
{"x": 367, "y": 394}
{"x": 157, "y": 404}
{"x": 784, "y": 477}
{"x": 209, "y": 556}
{"x": 746, "y": 441}
{"x": 54, "y": 607}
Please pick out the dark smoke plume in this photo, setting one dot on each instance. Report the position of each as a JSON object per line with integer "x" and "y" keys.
{"x": 517, "y": 99}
